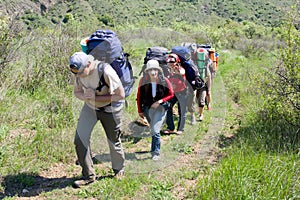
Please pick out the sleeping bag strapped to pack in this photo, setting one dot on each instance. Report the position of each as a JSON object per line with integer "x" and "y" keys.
{"x": 105, "y": 46}
{"x": 191, "y": 70}
{"x": 201, "y": 52}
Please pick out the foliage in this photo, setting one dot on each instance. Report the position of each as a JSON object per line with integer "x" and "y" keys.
{"x": 283, "y": 88}
{"x": 10, "y": 41}
{"x": 39, "y": 112}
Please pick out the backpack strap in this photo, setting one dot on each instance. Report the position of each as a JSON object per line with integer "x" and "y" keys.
{"x": 100, "y": 68}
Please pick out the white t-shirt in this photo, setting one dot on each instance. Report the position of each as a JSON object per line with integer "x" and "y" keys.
{"x": 112, "y": 82}
{"x": 153, "y": 89}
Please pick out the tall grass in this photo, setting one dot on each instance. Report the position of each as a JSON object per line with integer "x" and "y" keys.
{"x": 249, "y": 175}
{"x": 263, "y": 157}
{"x": 38, "y": 114}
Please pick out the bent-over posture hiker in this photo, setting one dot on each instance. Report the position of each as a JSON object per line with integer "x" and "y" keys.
{"x": 98, "y": 85}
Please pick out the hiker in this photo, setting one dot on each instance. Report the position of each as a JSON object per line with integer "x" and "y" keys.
{"x": 178, "y": 81}
{"x": 203, "y": 95}
{"x": 154, "y": 91}
{"x": 103, "y": 102}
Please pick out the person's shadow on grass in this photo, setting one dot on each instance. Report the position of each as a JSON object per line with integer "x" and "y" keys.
{"x": 30, "y": 185}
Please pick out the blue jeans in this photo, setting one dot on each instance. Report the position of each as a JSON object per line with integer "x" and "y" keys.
{"x": 182, "y": 99}
{"x": 156, "y": 119}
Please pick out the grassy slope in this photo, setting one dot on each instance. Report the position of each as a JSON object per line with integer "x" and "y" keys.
{"x": 158, "y": 13}
{"x": 30, "y": 161}
{"x": 191, "y": 168}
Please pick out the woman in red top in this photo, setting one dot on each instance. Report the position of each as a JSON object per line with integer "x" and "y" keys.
{"x": 153, "y": 94}
{"x": 178, "y": 81}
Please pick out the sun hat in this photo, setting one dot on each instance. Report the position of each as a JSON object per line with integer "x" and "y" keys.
{"x": 79, "y": 60}
{"x": 153, "y": 64}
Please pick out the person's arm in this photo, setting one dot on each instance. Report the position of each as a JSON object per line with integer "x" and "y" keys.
{"x": 118, "y": 94}
{"x": 208, "y": 78}
{"x": 170, "y": 95}
{"x": 116, "y": 90}
{"x": 181, "y": 71}
{"x": 138, "y": 100}
{"x": 138, "y": 97}
{"x": 78, "y": 90}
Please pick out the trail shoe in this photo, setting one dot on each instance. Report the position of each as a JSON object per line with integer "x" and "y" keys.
{"x": 119, "y": 174}
{"x": 155, "y": 157}
{"x": 179, "y": 132}
{"x": 83, "y": 182}
{"x": 200, "y": 117}
{"x": 193, "y": 119}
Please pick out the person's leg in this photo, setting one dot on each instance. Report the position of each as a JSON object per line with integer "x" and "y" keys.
{"x": 111, "y": 123}
{"x": 201, "y": 102}
{"x": 86, "y": 123}
{"x": 191, "y": 104}
{"x": 182, "y": 106}
{"x": 157, "y": 119}
{"x": 169, "y": 119}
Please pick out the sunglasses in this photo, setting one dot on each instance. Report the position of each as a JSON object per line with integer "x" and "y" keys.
{"x": 172, "y": 61}
{"x": 74, "y": 70}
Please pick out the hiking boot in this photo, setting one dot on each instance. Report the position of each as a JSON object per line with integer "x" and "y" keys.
{"x": 193, "y": 119}
{"x": 83, "y": 182}
{"x": 179, "y": 132}
{"x": 168, "y": 132}
{"x": 119, "y": 174}
{"x": 200, "y": 117}
{"x": 156, "y": 157}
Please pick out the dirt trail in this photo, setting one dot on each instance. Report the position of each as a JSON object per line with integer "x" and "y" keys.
{"x": 217, "y": 122}
{"x": 137, "y": 158}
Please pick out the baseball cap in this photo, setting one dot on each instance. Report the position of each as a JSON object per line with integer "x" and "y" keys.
{"x": 79, "y": 61}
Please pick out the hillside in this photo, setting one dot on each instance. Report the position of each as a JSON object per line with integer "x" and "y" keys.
{"x": 247, "y": 146}
{"x": 150, "y": 13}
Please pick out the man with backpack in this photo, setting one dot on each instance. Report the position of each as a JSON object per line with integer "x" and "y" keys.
{"x": 103, "y": 100}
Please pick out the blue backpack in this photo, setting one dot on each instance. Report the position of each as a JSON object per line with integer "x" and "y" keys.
{"x": 191, "y": 70}
{"x": 104, "y": 45}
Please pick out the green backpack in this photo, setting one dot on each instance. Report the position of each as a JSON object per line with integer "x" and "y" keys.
{"x": 201, "y": 52}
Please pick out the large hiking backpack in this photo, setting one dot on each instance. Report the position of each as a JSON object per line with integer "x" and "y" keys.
{"x": 104, "y": 45}
{"x": 157, "y": 53}
{"x": 213, "y": 55}
{"x": 191, "y": 70}
{"x": 193, "y": 48}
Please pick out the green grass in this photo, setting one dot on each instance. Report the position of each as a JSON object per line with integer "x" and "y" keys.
{"x": 244, "y": 149}
{"x": 249, "y": 175}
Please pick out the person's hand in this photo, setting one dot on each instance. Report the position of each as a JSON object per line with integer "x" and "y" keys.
{"x": 142, "y": 115}
{"x": 89, "y": 93}
{"x": 156, "y": 104}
